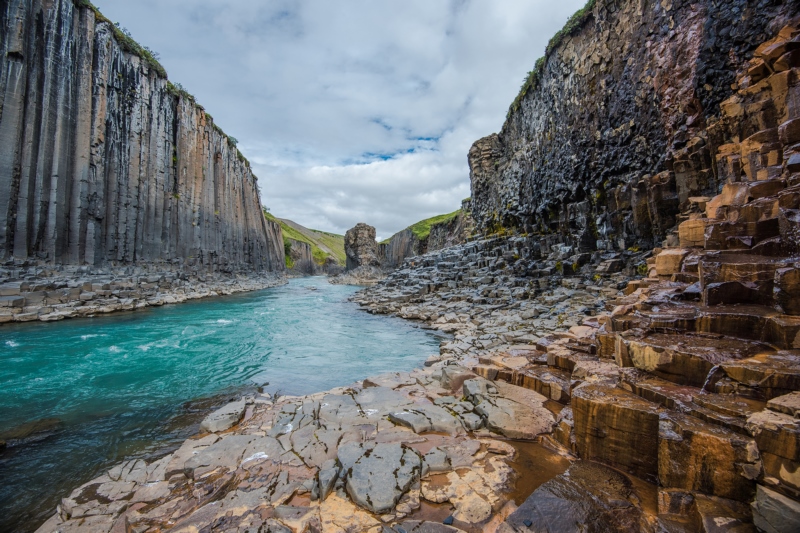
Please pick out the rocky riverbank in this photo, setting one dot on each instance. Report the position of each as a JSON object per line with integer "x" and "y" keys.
{"x": 437, "y": 449}
{"x": 46, "y": 293}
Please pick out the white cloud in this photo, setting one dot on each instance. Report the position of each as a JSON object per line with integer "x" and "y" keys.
{"x": 356, "y": 110}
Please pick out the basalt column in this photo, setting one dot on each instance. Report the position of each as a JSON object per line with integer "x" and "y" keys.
{"x": 103, "y": 162}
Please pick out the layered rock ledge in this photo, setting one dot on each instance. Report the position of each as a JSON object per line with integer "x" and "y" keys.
{"x": 47, "y": 293}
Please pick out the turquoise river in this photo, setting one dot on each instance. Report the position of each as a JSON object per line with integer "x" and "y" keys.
{"x": 81, "y": 395}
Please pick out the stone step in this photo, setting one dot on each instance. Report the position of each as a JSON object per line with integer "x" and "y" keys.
{"x": 725, "y": 410}
{"x": 682, "y": 359}
{"x": 748, "y": 321}
{"x": 764, "y": 376}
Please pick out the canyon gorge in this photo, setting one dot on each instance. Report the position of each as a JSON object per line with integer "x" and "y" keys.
{"x": 620, "y": 292}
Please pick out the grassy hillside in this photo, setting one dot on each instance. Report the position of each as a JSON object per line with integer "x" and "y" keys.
{"x": 422, "y": 229}
{"x": 323, "y": 244}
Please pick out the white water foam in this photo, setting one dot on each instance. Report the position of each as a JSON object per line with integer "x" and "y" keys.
{"x": 114, "y": 349}
{"x": 12, "y": 344}
{"x": 223, "y": 321}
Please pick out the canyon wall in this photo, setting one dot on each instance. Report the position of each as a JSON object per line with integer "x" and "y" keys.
{"x": 615, "y": 129}
{"x": 442, "y": 235}
{"x": 104, "y": 162}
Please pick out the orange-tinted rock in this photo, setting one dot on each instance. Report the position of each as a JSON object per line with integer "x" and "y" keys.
{"x": 772, "y": 375}
{"x": 700, "y": 457}
{"x": 669, "y": 262}
{"x": 549, "y": 382}
{"x": 682, "y": 359}
{"x": 778, "y": 439}
{"x": 617, "y": 428}
{"x": 692, "y": 233}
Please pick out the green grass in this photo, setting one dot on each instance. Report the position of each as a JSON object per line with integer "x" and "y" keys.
{"x": 335, "y": 243}
{"x": 573, "y": 25}
{"x": 330, "y": 240}
{"x": 422, "y": 229}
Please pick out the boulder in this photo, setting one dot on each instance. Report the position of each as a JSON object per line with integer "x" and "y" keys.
{"x": 224, "y": 418}
{"x": 360, "y": 247}
{"x": 588, "y": 497}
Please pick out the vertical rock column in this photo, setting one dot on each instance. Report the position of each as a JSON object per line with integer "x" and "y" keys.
{"x": 103, "y": 162}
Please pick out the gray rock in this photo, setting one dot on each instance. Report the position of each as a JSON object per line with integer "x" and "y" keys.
{"x": 381, "y": 475}
{"x": 472, "y": 421}
{"x": 224, "y": 418}
{"x": 774, "y": 512}
{"x": 436, "y": 460}
{"x": 328, "y": 475}
{"x": 226, "y": 453}
{"x": 112, "y": 207}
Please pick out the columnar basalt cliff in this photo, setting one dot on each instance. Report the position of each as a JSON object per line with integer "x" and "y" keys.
{"x": 103, "y": 162}
{"x": 615, "y": 128}
{"x": 453, "y": 229}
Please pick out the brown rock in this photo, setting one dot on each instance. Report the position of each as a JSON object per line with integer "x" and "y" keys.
{"x": 692, "y": 233}
{"x": 615, "y": 427}
{"x": 787, "y": 290}
{"x": 669, "y": 262}
{"x": 699, "y": 457}
{"x": 361, "y": 247}
{"x": 778, "y": 439}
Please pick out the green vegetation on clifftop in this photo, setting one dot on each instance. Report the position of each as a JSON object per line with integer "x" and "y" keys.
{"x": 573, "y": 25}
{"x": 129, "y": 45}
{"x": 422, "y": 229}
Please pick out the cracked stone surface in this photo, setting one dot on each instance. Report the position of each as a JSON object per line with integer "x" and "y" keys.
{"x": 381, "y": 475}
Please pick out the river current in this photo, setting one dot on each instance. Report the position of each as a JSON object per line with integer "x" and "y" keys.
{"x": 137, "y": 384}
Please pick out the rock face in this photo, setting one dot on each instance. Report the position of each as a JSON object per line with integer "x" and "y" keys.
{"x": 103, "y": 162}
{"x": 363, "y": 260}
{"x": 690, "y": 377}
{"x": 361, "y": 247}
{"x": 405, "y": 244}
{"x": 617, "y": 130}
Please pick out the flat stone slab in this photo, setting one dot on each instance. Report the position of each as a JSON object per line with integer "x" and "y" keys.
{"x": 512, "y": 411}
{"x": 424, "y": 418}
{"x": 378, "y": 476}
{"x": 226, "y": 453}
{"x": 788, "y": 404}
{"x": 224, "y": 418}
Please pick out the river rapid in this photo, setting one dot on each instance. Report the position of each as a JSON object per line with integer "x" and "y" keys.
{"x": 79, "y": 396}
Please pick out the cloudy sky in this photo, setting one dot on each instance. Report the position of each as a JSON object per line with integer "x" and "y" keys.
{"x": 351, "y": 110}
